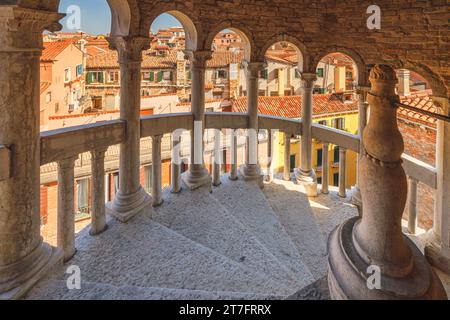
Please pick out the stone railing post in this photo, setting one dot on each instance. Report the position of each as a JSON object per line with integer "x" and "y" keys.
{"x": 437, "y": 249}
{"x": 375, "y": 243}
{"x": 325, "y": 168}
{"x": 156, "y": 171}
{"x": 233, "y": 152}
{"x": 98, "y": 223}
{"x": 176, "y": 165}
{"x": 197, "y": 175}
{"x": 287, "y": 157}
{"x": 305, "y": 175}
{"x": 269, "y": 168}
{"x": 131, "y": 198}
{"x": 66, "y": 207}
{"x": 251, "y": 169}
{"x": 412, "y": 205}
{"x": 362, "y": 122}
{"x": 24, "y": 257}
{"x": 342, "y": 172}
{"x": 217, "y": 162}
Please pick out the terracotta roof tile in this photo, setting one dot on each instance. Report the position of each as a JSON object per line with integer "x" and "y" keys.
{"x": 422, "y": 100}
{"x": 54, "y": 48}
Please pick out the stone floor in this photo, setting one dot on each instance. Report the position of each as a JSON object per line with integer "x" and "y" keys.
{"x": 238, "y": 242}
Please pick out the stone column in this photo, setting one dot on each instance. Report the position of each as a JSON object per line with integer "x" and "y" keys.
{"x": 217, "y": 162}
{"x": 437, "y": 249}
{"x": 287, "y": 157}
{"x": 362, "y": 111}
{"x": 412, "y": 205}
{"x": 197, "y": 174}
{"x": 305, "y": 175}
{"x": 251, "y": 170}
{"x": 342, "y": 172}
{"x": 234, "y": 152}
{"x": 269, "y": 174}
{"x": 325, "y": 168}
{"x": 176, "y": 164}
{"x": 373, "y": 247}
{"x": 131, "y": 197}
{"x": 156, "y": 171}
{"x": 24, "y": 257}
{"x": 98, "y": 223}
{"x": 66, "y": 208}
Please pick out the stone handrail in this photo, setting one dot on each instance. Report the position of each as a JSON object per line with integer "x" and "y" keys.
{"x": 70, "y": 142}
{"x": 165, "y": 123}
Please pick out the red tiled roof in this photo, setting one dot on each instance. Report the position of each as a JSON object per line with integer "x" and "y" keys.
{"x": 291, "y": 106}
{"x": 421, "y": 100}
{"x": 54, "y": 48}
{"x": 110, "y": 58}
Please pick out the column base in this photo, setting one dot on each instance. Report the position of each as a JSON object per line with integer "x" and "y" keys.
{"x": 125, "y": 207}
{"x": 197, "y": 179}
{"x": 252, "y": 172}
{"x": 19, "y": 278}
{"x": 308, "y": 181}
{"x": 356, "y": 199}
{"x": 436, "y": 255}
{"x": 348, "y": 276}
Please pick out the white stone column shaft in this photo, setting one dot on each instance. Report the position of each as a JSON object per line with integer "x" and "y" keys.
{"x": 217, "y": 162}
{"x": 131, "y": 197}
{"x": 234, "y": 158}
{"x": 24, "y": 257}
{"x": 287, "y": 157}
{"x": 269, "y": 174}
{"x": 98, "y": 211}
{"x": 305, "y": 174}
{"x": 325, "y": 168}
{"x": 176, "y": 165}
{"x": 156, "y": 171}
{"x": 342, "y": 172}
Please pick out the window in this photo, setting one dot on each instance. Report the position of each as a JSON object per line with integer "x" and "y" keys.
{"x": 95, "y": 77}
{"x": 276, "y": 74}
{"x": 298, "y": 74}
{"x": 320, "y": 72}
{"x": 113, "y": 76}
{"x": 336, "y": 179}
{"x": 265, "y": 74}
{"x": 221, "y": 74}
{"x": 167, "y": 75}
{"x": 323, "y": 122}
{"x": 148, "y": 178}
{"x": 319, "y": 180}
{"x": 339, "y": 123}
{"x": 148, "y": 76}
{"x": 349, "y": 75}
{"x": 80, "y": 70}
{"x": 336, "y": 155}
{"x": 56, "y": 107}
{"x": 48, "y": 97}
{"x": 319, "y": 157}
{"x": 83, "y": 209}
{"x": 67, "y": 75}
{"x": 292, "y": 162}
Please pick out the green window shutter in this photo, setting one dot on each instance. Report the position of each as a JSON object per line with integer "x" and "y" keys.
{"x": 152, "y": 76}
{"x": 160, "y": 76}
{"x": 171, "y": 75}
{"x": 266, "y": 74}
{"x": 320, "y": 72}
{"x": 90, "y": 78}
{"x": 101, "y": 78}
{"x": 190, "y": 75}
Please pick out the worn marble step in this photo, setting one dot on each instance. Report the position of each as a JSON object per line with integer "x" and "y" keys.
{"x": 294, "y": 212}
{"x": 57, "y": 290}
{"x": 248, "y": 204}
{"x": 198, "y": 216}
{"x": 144, "y": 253}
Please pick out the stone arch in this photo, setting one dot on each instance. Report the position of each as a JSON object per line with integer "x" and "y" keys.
{"x": 125, "y": 17}
{"x": 190, "y": 24}
{"x": 242, "y": 31}
{"x": 362, "y": 80}
{"x": 298, "y": 45}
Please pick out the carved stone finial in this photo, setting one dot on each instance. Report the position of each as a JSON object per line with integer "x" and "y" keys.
{"x": 383, "y": 72}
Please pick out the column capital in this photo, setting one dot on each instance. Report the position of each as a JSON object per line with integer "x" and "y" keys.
{"x": 308, "y": 79}
{"x": 198, "y": 58}
{"x": 253, "y": 68}
{"x": 128, "y": 48}
{"x": 22, "y": 28}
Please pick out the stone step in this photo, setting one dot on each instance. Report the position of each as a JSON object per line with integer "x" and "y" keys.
{"x": 144, "y": 253}
{"x": 57, "y": 290}
{"x": 297, "y": 217}
{"x": 248, "y": 204}
{"x": 198, "y": 216}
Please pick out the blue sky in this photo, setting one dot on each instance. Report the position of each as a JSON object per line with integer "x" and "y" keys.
{"x": 96, "y": 16}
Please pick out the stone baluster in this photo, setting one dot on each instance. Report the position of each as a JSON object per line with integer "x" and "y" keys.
{"x": 362, "y": 250}
{"x": 437, "y": 249}
{"x": 233, "y": 152}
{"x": 24, "y": 257}
{"x": 131, "y": 198}
{"x": 287, "y": 157}
{"x": 217, "y": 162}
{"x": 362, "y": 122}
{"x": 342, "y": 172}
{"x": 98, "y": 223}
{"x": 176, "y": 165}
{"x": 412, "y": 205}
{"x": 269, "y": 169}
{"x": 305, "y": 175}
{"x": 325, "y": 168}
{"x": 197, "y": 175}
{"x": 251, "y": 169}
{"x": 156, "y": 171}
{"x": 66, "y": 207}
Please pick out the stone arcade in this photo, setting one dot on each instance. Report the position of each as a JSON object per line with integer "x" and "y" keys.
{"x": 316, "y": 28}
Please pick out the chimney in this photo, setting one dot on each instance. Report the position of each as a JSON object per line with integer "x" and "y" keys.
{"x": 403, "y": 82}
